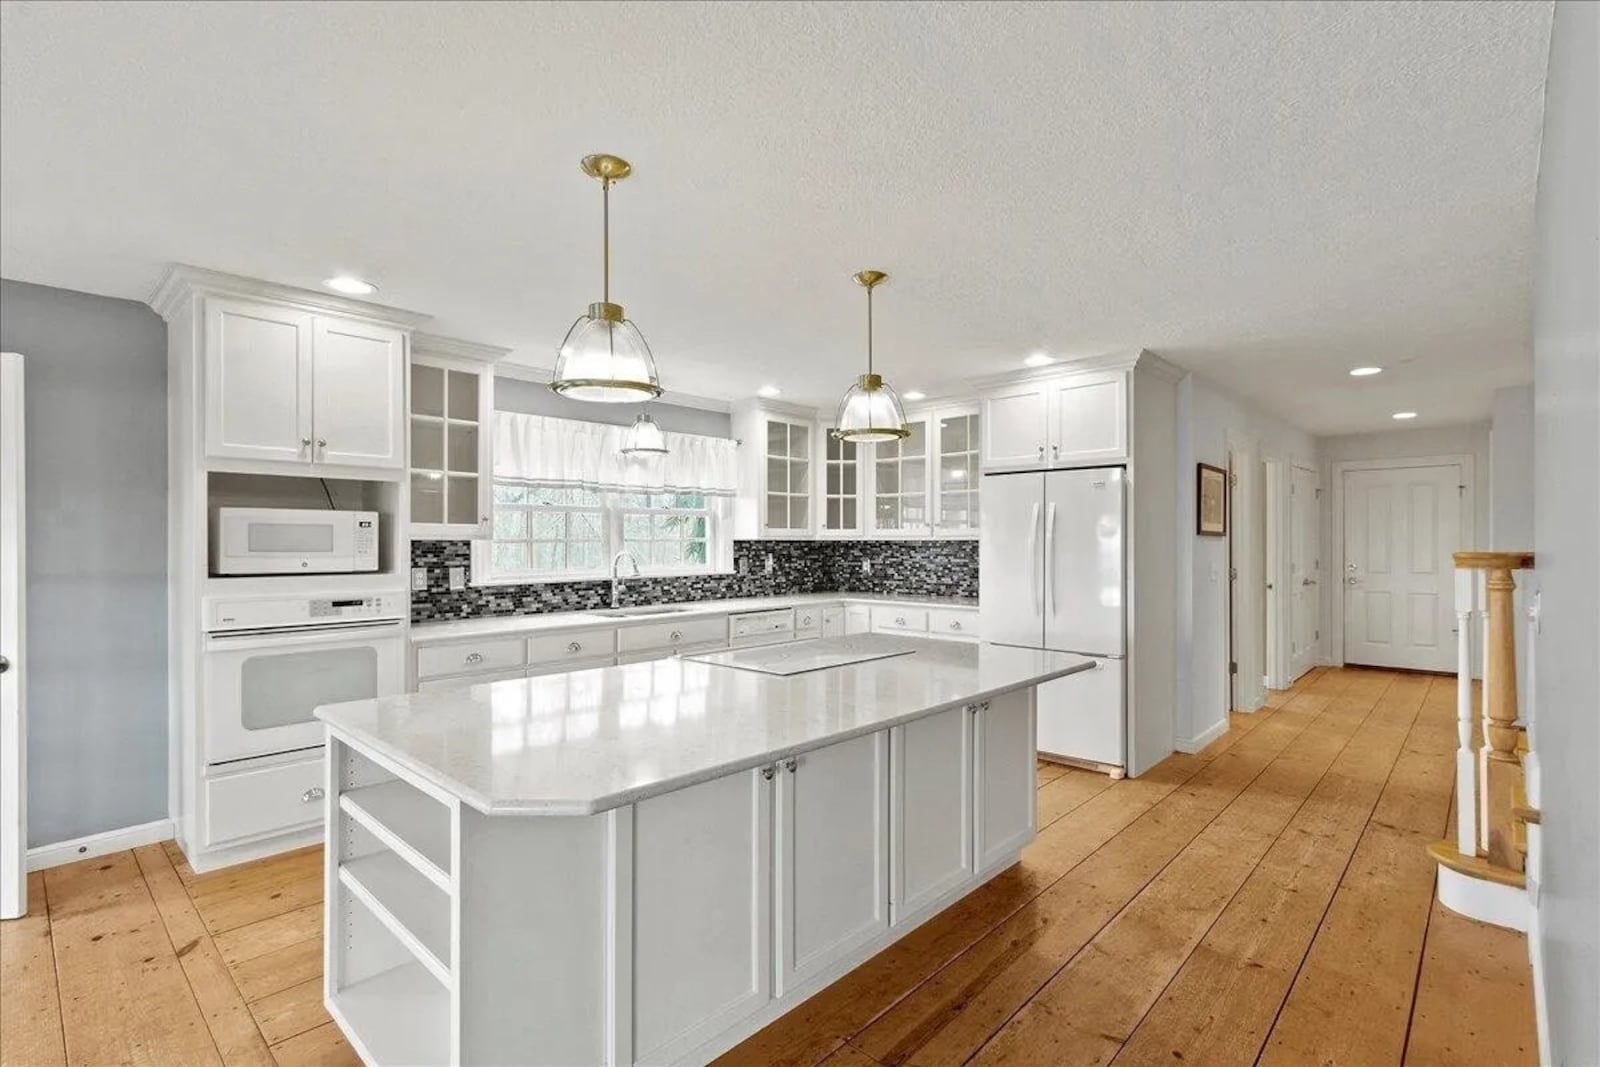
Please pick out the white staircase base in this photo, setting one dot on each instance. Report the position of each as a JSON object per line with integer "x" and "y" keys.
{"x": 1486, "y": 901}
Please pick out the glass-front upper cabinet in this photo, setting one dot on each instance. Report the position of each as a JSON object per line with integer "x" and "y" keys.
{"x": 841, "y": 485}
{"x": 452, "y": 401}
{"x": 955, "y": 449}
{"x": 900, "y": 483}
{"x": 786, "y": 495}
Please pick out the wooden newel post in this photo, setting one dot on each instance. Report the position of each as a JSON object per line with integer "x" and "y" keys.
{"x": 1502, "y": 766}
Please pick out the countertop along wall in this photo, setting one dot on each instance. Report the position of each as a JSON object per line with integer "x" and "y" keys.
{"x": 95, "y": 383}
{"x": 1210, "y": 421}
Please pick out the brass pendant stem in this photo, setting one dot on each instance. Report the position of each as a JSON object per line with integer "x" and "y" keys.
{"x": 605, "y": 240}
{"x": 869, "y": 331}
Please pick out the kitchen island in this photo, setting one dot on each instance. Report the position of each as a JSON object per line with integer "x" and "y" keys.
{"x": 647, "y": 863}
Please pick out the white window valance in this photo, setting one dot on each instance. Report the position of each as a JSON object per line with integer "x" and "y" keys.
{"x": 538, "y": 448}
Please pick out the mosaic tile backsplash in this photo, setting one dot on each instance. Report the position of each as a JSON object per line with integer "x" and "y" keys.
{"x": 907, "y": 568}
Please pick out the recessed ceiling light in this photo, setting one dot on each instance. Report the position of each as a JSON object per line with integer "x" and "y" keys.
{"x": 1365, "y": 372}
{"x": 1405, "y": 415}
{"x": 768, "y": 391}
{"x": 344, "y": 283}
{"x": 1039, "y": 359}
{"x": 916, "y": 394}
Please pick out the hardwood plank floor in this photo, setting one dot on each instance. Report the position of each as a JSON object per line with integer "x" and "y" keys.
{"x": 1265, "y": 900}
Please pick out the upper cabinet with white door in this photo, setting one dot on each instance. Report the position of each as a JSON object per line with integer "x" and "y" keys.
{"x": 295, "y": 380}
{"x": 451, "y": 461}
{"x": 777, "y": 462}
{"x": 1075, "y": 419}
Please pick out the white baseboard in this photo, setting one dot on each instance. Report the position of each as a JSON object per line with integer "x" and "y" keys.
{"x": 102, "y": 844}
{"x": 1208, "y": 735}
{"x": 1486, "y": 901}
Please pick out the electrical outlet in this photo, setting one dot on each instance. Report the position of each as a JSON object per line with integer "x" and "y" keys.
{"x": 744, "y": 565}
{"x": 419, "y": 579}
{"x": 866, "y": 567}
{"x": 769, "y": 563}
{"x": 458, "y": 578}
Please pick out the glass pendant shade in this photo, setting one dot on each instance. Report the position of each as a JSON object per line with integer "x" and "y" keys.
{"x": 870, "y": 411}
{"x": 644, "y": 438}
{"x": 604, "y": 359}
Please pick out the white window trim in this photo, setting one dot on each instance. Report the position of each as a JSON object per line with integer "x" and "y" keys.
{"x": 719, "y": 547}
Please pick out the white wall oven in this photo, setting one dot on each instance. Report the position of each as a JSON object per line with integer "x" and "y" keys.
{"x": 293, "y": 541}
{"x": 270, "y": 662}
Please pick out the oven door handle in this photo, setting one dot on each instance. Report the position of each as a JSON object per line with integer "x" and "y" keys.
{"x": 290, "y": 636}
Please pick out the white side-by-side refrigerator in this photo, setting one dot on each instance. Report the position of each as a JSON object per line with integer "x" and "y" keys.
{"x": 1052, "y": 574}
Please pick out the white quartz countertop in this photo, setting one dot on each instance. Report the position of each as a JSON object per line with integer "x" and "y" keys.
{"x": 588, "y": 741}
{"x": 423, "y": 633}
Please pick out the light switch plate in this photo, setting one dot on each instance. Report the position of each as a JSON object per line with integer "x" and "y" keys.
{"x": 769, "y": 563}
{"x": 458, "y": 578}
{"x": 866, "y": 567}
{"x": 419, "y": 579}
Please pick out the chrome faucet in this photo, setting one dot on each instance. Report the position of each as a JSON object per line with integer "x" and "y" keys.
{"x": 616, "y": 575}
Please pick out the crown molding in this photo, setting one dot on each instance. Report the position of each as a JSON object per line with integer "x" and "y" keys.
{"x": 669, "y": 397}
{"x": 1125, "y": 360}
{"x": 182, "y": 281}
{"x": 431, "y": 344}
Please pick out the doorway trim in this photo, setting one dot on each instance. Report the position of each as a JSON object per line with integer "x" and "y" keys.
{"x": 13, "y": 695}
{"x": 1275, "y": 493}
{"x": 1336, "y": 554}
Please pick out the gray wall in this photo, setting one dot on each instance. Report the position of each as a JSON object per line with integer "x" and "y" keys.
{"x": 1564, "y": 856}
{"x": 95, "y": 382}
{"x": 535, "y": 398}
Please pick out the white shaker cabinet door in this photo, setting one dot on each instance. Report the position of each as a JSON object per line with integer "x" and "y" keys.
{"x": 1089, "y": 419}
{"x": 831, "y": 880}
{"x": 1014, "y": 428}
{"x": 702, "y": 941}
{"x": 931, "y": 809}
{"x": 258, "y": 382}
{"x": 1004, "y": 758}
{"x": 833, "y": 621}
{"x": 358, "y": 402}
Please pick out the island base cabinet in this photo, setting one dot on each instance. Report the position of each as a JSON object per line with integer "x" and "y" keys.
{"x": 831, "y": 857}
{"x": 931, "y": 810}
{"x": 1006, "y": 812}
{"x": 702, "y": 931}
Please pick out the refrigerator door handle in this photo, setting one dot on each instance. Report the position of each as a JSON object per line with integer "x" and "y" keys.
{"x": 1050, "y": 557}
{"x": 1033, "y": 556}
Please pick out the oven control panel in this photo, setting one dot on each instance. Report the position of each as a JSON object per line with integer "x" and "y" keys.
{"x": 224, "y": 614}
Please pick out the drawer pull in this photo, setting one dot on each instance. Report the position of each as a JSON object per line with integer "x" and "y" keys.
{"x": 901, "y": 621}
{"x": 955, "y": 624}
{"x": 676, "y": 635}
{"x": 573, "y": 646}
{"x": 473, "y": 657}
{"x": 315, "y": 793}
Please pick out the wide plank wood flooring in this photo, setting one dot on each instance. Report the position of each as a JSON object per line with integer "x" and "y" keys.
{"x": 1267, "y": 900}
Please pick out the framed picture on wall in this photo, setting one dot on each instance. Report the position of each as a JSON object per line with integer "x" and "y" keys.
{"x": 1211, "y": 501}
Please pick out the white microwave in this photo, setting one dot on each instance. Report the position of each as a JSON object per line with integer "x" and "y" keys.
{"x": 293, "y": 541}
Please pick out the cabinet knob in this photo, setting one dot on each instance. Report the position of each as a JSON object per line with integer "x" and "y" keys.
{"x": 955, "y": 624}
{"x": 573, "y": 646}
{"x": 474, "y": 657}
{"x": 1041, "y": 451}
{"x": 322, "y": 442}
{"x": 305, "y": 442}
{"x": 900, "y": 621}
{"x": 313, "y": 794}
{"x": 790, "y": 764}
{"x": 676, "y": 635}
{"x": 767, "y": 772}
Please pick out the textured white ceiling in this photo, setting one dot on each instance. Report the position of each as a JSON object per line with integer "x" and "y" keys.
{"x": 1268, "y": 193}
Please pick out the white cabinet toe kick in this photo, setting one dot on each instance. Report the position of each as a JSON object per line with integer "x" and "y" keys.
{"x": 662, "y": 931}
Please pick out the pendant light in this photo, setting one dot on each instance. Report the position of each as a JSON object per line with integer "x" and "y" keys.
{"x": 871, "y": 409}
{"x": 644, "y": 438}
{"x": 604, "y": 358}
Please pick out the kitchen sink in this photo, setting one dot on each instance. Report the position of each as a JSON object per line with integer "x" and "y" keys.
{"x": 628, "y": 613}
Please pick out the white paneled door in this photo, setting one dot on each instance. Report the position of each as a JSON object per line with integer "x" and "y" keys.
{"x": 1400, "y": 527}
{"x": 13, "y": 730}
{"x": 1305, "y": 571}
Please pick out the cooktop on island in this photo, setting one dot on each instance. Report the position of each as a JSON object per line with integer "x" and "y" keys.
{"x": 799, "y": 657}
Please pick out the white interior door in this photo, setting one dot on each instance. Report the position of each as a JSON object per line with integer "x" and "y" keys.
{"x": 1400, "y": 527}
{"x": 1305, "y": 572}
{"x": 13, "y": 724}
